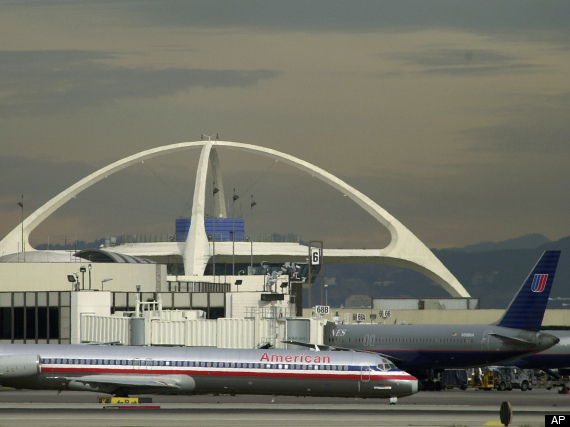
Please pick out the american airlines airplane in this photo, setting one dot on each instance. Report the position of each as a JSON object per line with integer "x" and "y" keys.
{"x": 423, "y": 349}
{"x": 124, "y": 370}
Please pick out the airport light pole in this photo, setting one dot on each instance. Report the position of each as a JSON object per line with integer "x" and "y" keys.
{"x": 105, "y": 280}
{"x": 83, "y": 270}
{"x": 234, "y": 198}
{"x": 327, "y": 293}
{"x": 23, "y": 248}
{"x": 251, "y": 235}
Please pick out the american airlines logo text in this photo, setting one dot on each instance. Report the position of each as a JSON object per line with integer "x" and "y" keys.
{"x": 539, "y": 282}
{"x": 302, "y": 358}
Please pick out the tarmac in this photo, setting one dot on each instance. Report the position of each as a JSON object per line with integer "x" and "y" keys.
{"x": 453, "y": 408}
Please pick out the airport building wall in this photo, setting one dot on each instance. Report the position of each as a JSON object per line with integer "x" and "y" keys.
{"x": 57, "y": 317}
{"x": 53, "y": 276}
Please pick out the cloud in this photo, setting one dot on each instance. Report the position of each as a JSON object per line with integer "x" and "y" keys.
{"x": 362, "y": 15}
{"x": 467, "y": 62}
{"x": 65, "y": 80}
{"x": 328, "y": 15}
{"x": 541, "y": 127}
{"x": 518, "y": 138}
{"x": 23, "y": 173}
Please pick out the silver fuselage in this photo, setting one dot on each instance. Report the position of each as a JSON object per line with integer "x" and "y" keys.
{"x": 123, "y": 370}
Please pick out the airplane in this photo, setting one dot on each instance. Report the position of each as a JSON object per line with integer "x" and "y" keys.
{"x": 423, "y": 350}
{"x": 124, "y": 370}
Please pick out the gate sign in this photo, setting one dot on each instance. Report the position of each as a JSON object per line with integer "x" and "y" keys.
{"x": 359, "y": 317}
{"x": 322, "y": 309}
{"x": 315, "y": 256}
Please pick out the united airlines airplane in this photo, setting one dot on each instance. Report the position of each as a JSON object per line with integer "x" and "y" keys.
{"x": 124, "y": 370}
{"x": 423, "y": 349}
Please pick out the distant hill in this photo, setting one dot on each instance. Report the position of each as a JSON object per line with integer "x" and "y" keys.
{"x": 494, "y": 275}
{"x": 530, "y": 241}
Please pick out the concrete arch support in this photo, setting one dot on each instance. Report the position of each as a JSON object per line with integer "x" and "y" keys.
{"x": 197, "y": 249}
{"x": 405, "y": 249}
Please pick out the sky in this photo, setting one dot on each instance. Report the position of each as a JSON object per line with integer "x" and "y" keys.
{"x": 452, "y": 116}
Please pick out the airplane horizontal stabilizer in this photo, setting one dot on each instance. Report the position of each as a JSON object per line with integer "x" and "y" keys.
{"x": 515, "y": 341}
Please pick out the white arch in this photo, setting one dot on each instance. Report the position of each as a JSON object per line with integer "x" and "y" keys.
{"x": 405, "y": 249}
{"x": 197, "y": 249}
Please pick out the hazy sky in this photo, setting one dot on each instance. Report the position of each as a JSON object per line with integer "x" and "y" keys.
{"x": 454, "y": 116}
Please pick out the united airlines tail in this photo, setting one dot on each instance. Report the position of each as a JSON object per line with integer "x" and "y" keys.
{"x": 526, "y": 310}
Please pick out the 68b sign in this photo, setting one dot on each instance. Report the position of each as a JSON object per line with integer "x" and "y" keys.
{"x": 322, "y": 309}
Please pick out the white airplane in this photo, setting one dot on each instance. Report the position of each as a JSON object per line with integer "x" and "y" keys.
{"x": 124, "y": 370}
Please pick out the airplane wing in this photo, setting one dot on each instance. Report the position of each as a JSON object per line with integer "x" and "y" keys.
{"x": 132, "y": 382}
{"x": 322, "y": 347}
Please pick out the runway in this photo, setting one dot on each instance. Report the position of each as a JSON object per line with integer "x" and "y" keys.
{"x": 447, "y": 408}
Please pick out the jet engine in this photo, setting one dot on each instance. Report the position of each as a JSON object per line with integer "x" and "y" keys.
{"x": 19, "y": 366}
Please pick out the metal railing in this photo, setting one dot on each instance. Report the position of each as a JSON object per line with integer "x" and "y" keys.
{"x": 184, "y": 286}
{"x": 220, "y": 237}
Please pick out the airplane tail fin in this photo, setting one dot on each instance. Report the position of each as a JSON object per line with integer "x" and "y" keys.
{"x": 526, "y": 310}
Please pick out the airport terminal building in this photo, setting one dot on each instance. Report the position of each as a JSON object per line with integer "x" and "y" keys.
{"x": 216, "y": 281}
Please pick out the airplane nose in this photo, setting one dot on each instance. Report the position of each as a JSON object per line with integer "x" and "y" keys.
{"x": 405, "y": 388}
{"x": 414, "y": 386}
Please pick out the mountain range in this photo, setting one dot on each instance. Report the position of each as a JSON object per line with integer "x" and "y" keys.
{"x": 492, "y": 272}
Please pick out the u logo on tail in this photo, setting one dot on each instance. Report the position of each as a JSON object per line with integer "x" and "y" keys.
{"x": 539, "y": 282}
